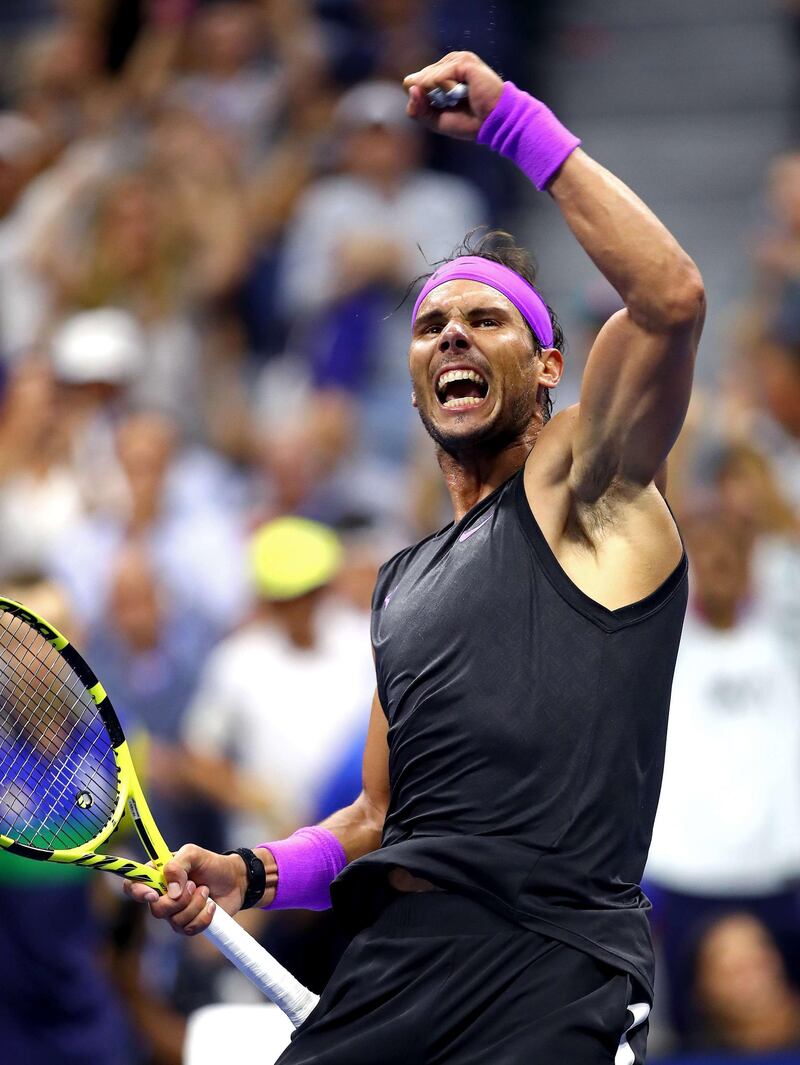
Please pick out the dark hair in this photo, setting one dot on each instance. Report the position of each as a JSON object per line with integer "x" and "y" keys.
{"x": 500, "y": 247}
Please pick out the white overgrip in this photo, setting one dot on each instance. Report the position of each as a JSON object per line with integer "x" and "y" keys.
{"x": 261, "y": 968}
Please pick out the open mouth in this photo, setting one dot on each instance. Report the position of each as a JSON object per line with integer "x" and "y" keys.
{"x": 461, "y": 389}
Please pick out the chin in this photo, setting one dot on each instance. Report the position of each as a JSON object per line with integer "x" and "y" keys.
{"x": 462, "y": 432}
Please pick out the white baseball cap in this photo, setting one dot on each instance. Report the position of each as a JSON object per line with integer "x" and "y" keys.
{"x": 106, "y": 345}
{"x": 374, "y": 103}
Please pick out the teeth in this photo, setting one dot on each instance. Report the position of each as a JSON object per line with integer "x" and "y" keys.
{"x": 465, "y": 401}
{"x": 458, "y": 375}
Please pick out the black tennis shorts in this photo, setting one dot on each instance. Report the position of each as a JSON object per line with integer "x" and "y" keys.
{"x": 440, "y": 979}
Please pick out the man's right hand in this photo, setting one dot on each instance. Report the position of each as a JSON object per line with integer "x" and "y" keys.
{"x": 196, "y": 880}
{"x": 463, "y": 122}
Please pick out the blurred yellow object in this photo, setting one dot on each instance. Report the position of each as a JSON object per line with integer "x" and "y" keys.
{"x": 290, "y": 557}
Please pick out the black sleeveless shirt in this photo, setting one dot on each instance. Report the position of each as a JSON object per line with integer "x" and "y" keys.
{"x": 527, "y": 727}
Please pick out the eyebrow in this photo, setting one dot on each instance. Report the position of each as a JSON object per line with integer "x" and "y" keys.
{"x": 491, "y": 311}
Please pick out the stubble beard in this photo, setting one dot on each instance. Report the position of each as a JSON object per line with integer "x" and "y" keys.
{"x": 488, "y": 439}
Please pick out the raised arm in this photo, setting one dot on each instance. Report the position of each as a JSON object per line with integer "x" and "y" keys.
{"x": 638, "y": 376}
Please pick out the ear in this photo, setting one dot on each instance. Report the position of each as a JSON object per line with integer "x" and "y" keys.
{"x": 552, "y": 367}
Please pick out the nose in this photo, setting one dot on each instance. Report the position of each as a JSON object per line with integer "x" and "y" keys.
{"x": 453, "y": 337}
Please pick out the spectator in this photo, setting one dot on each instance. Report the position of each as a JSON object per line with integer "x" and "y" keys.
{"x": 751, "y": 494}
{"x": 23, "y": 154}
{"x": 780, "y": 373}
{"x": 60, "y": 79}
{"x": 231, "y": 86}
{"x": 744, "y": 1000}
{"x": 383, "y": 39}
{"x": 278, "y": 701}
{"x": 154, "y": 250}
{"x": 778, "y": 251}
{"x": 169, "y": 499}
{"x": 146, "y": 646}
{"x": 40, "y": 497}
{"x": 20, "y": 156}
{"x": 727, "y": 832}
{"x": 96, "y": 358}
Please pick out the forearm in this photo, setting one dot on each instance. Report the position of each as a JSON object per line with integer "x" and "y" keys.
{"x": 358, "y": 827}
{"x": 657, "y": 280}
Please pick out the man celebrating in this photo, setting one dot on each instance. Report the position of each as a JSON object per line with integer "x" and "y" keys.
{"x": 524, "y": 659}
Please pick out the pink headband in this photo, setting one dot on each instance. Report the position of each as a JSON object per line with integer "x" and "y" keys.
{"x": 524, "y": 296}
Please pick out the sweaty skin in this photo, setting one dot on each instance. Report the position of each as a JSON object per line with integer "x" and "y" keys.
{"x": 591, "y": 473}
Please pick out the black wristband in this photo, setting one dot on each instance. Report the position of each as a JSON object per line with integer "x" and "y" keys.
{"x": 256, "y": 876}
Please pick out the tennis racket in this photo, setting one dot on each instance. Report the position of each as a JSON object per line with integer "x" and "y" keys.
{"x": 66, "y": 779}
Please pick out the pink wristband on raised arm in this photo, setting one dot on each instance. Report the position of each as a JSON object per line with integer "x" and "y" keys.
{"x": 526, "y": 131}
{"x": 308, "y": 863}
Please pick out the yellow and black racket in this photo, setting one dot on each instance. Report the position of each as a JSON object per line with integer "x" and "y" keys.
{"x": 66, "y": 779}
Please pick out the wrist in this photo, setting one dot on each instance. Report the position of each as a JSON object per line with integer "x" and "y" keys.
{"x": 525, "y": 130}
{"x": 239, "y": 872}
{"x": 305, "y": 866}
{"x": 250, "y": 875}
{"x": 271, "y": 874}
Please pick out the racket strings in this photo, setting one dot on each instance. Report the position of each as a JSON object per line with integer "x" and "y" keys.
{"x": 30, "y": 771}
{"x": 51, "y": 783}
{"x": 32, "y": 778}
{"x": 58, "y": 774}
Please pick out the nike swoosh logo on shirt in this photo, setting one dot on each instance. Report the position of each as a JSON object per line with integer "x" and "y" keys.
{"x": 468, "y": 532}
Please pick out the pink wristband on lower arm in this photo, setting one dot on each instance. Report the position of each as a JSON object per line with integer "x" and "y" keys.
{"x": 308, "y": 863}
{"x": 526, "y": 131}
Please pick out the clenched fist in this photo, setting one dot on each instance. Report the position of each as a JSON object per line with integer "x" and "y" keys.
{"x": 463, "y": 121}
{"x": 197, "y": 879}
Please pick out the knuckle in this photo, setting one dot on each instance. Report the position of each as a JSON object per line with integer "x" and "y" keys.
{"x": 184, "y": 853}
{"x": 195, "y": 925}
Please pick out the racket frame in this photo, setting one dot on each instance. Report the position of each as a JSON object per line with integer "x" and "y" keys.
{"x": 231, "y": 939}
{"x": 129, "y": 790}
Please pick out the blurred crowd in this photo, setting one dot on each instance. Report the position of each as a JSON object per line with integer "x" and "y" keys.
{"x": 210, "y": 217}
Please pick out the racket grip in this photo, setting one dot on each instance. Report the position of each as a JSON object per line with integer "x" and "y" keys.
{"x": 268, "y": 975}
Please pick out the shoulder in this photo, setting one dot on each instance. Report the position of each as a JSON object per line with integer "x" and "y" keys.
{"x": 551, "y": 457}
{"x": 617, "y": 547}
{"x": 550, "y": 467}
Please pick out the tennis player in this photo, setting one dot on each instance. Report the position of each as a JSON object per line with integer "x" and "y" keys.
{"x": 524, "y": 659}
